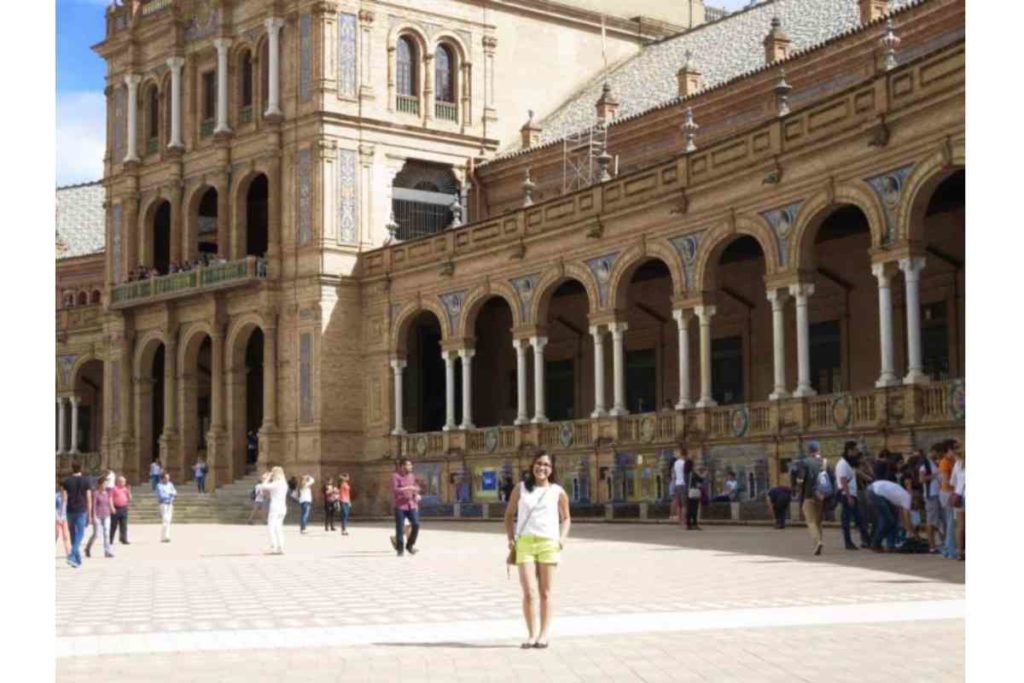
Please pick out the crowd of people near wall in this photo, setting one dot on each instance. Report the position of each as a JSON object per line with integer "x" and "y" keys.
{"x": 202, "y": 260}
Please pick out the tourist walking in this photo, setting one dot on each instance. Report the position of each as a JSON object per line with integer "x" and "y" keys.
{"x": 165, "y": 495}
{"x": 102, "y": 508}
{"x": 62, "y": 523}
{"x": 76, "y": 495}
{"x": 404, "y": 491}
{"x": 331, "y": 504}
{"x": 679, "y": 485}
{"x": 888, "y": 499}
{"x": 199, "y": 470}
{"x": 155, "y": 470}
{"x": 804, "y": 478}
{"x": 846, "y": 478}
{"x": 345, "y": 498}
{"x": 694, "y": 482}
{"x": 121, "y": 497}
{"x": 778, "y": 498}
{"x": 274, "y": 486}
{"x": 930, "y": 481}
{"x": 537, "y": 525}
{"x": 305, "y": 495}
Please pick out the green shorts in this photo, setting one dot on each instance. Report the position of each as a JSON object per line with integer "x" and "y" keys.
{"x": 536, "y": 549}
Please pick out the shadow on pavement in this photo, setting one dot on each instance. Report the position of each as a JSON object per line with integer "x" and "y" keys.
{"x": 466, "y": 646}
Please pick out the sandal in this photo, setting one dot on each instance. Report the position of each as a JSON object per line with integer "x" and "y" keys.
{"x": 540, "y": 645}
{"x": 527, "y": 645}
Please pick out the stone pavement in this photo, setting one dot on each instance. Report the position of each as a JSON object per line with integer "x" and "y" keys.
{"x": 634, "y": 602}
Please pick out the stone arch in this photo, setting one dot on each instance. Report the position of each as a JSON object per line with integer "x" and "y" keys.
{"x": 77, "y": 368}
{"x": 636, "y": 256}
{"x": 453, "y": 41}
{"x": 549, "y": 282}
{"x": 717, "y": 239}
{"x": 480, "y": 296}
{"x": 192, "y": 205}
{"x": 145, "y": 348}
{"x": 405, "y": 318}
{"x": 239, "y": 214}
{"x": 921, "y": 183}
{"x": 238, "y": 336}
{"x": 406, "y": 28}
{"x": 816, "y": 209}
{"x": 191, "y": 340}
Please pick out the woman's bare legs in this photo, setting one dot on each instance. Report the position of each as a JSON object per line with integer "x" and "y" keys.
{"x": 961, "y": 537}
{"x": 62, "y": 532}
{"x": 546, "y": 581}
{"x": 528, "y": 582}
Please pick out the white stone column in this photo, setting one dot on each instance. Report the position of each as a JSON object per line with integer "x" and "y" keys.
{"x": 175, "y": 64}
{"x": 538, "y": 344}
{"x": 912, "y": 268}
{"x": 800, "y": 292}
{"x": 222, "y": 45}
{"x": 398, "y": 366}
{"x": 600, "y": 409}
{"x": 467, "y": 387}
{"x": 704, "y": 315}
{"x": 132, "y": 81}
{"x": 449, "y": 389}
{"x": 682, "y": 317}
{"x": 618, "y": 331}
{"x": 62, "y": 444}
{"x": 523, "y": 410}
{"x": 274, "y": 25}
{"x": 883, "y": 273}
{"x": 74, "y": 424}
{"x": 777, "y": 298}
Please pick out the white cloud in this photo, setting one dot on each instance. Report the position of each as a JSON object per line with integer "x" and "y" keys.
{"x": 81, "y": 133}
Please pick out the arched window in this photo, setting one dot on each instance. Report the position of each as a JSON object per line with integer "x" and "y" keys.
{"x": 444, "y": 75}
{"x": 406, "y": 63}
{"x": 95, "y": 296}
{"x": 83, "y": 298}
{"x": 152, "y": 118}
{"x": 245, "y": 94}
{"x": 69, "y": 299}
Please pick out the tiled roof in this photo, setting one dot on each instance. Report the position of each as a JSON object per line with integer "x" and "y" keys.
{"x": 721, "y": 50}
{"x": 80, "y": 219}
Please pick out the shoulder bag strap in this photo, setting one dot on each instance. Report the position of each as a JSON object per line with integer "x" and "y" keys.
{"x": 521, "y": 526}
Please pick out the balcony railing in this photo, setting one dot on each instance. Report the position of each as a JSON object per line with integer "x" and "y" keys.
{"x": 408, "y": 104}
{"x": 202, "y": 279}
{"x": 447, "y": 111}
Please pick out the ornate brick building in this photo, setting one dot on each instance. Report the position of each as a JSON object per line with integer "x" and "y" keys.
{"x": 739, "y": 235}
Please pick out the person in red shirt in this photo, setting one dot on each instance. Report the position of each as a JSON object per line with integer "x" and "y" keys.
{"x": 404, "y": 491}
{"x": 121, "y": 496}
{"x": 345, "y": 498}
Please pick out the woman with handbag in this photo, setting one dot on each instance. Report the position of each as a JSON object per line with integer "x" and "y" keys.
{"x": 331, "y": 504}
{"x": 693, "y": 494}
{"x": 537, "y": 524}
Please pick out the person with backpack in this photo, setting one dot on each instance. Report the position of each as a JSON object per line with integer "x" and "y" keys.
{"x": 846, "y": 481}
{"x": 809, "y": 479}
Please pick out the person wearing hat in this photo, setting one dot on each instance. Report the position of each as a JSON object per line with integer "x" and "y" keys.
{"x": 803, "y": 475}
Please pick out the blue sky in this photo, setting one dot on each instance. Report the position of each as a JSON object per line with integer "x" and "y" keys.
{"x": 81, "y": 79}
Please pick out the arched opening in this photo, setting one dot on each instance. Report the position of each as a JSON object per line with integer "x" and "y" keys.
{"x": 245, "y": 86}
{"x": 845, "y": 300}
{"x": 197, "y": 390}
{"x": 741, "y": 327}
{"x": 253, "y": 389}
{"x": 651, "y": 348}
{"x": 83, "y": 299}
{"x": 406, "y": 68}
{"x": 494, "y": 365}
{"x": 69, "y": 299}
{"x": 422, "y": 197}
{"x": 206, "y": 223}
{"x": 942, "y": 281}
{"x": 257, "y": 217}
{"x": 95, "y": 296}
{"x": 150, "y": 407}
{"x": 444, "y": 84}
{"x": 245, "y": 399}
{"x": 424, "y": 393}
{"x": 152, "y": 118}
{"x": 88, "y": 387}
{"x": 568, "y": 356}
{"x": 162, "y": 237}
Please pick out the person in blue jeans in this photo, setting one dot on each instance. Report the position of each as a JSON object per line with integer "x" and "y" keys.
{"x": 155, "y": 470}
{"x": 405, "y": 492}
{"x": 76, "y": 498}
{"x": 305, "y": 501}
{"x": 886, "y": 497}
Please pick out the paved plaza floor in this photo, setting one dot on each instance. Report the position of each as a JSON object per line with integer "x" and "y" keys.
{"x": 636, "y": 602}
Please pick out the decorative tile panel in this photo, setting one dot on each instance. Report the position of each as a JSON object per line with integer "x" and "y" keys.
{"x": 525, "y": 286}
{"x": 305, "y": 378}
{"x": 602, "y": 267}
{"x": 305, "y": 222}
{"x": 687, "y": 246}
{"x": 348, "y": 60}
{"x": 452, "y": 302}
{"x": 305, "y": 57}
{"x": 66, "y": 363}
{"x": 348, "y": 202}
{"x": 115, "y": 392}
{"x": 120, "y": 110}
{"x": 782, "y": 221}
{"x": 889, "y": 188}
{"x": 115, "y": 242}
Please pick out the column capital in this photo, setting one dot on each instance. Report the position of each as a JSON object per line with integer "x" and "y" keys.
{"x": 538, "y": 342}
{"x": 682, "y": 315}
{"x": 705, "y": 311}
{"x": 398, "y": 364}
{"x": 618, "y": 327}
{"x": 884, "y": 270}
{"x": 777, "y": 296}
{"x": 597, "y": 332}
{"x": 912, "y": 265}
{"x": 801, "y": 289}
{"x": 273, "y": 24}
{"x": 466, "y": 353}
{"x": 449, "y": 354}
{"x": 132, "y": 80}
{"x": 221, "y": 44}
{"x": 521, "y": 344}
{"x": 175, "y": 63}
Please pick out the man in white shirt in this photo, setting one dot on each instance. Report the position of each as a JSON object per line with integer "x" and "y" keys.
{"x": 679, "y": 483}
{"x": 846, "y": 480}
{"x": 728, "y": 489}
{"x": 929, "y": 474}
{"x": 886, "y": 497}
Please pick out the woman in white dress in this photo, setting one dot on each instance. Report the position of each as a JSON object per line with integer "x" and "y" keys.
{"x": 537, "y": 524}
{"x": 274, "y": 487}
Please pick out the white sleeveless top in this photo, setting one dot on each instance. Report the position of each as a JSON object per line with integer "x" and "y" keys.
{"x": 543, "y": 521}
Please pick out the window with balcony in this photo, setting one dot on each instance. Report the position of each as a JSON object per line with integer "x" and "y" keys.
{"x": 445, "y": 105}
{"x": 208, "y": 102}
{"x": 408, "y": 95}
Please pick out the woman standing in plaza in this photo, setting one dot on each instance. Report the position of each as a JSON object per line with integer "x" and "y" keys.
{"x": 274, "y": 486}
{"x": 102, "y": 508}
{"x": 62, "y": 523}
{"x": 305, "y": 501}
{"x": 331, "y": 504}
{"x": 345, "y": 498}
{"x": 165, "y": 495}
{"x": 537, "y": 524}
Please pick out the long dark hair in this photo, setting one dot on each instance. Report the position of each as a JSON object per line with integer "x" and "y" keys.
{"x": 530, "y": 482}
